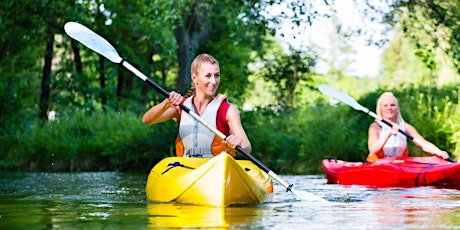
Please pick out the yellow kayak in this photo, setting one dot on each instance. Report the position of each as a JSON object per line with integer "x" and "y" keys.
{"x": 219, "y": 181}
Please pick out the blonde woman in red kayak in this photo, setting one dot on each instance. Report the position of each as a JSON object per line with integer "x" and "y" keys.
{"x": 385, "y": 141}
{"x": 195, "y": 140}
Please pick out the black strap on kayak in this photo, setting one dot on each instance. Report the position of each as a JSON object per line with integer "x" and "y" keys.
{"x": 424, "y": 171}
{"x": 176, "y": 164}
{"x": 332, "y": 159}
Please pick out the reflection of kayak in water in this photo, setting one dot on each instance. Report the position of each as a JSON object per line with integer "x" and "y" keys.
{"x": 219, "y": 181}
{"x": 170, "y": 215}
{"x": 394, "y": 171}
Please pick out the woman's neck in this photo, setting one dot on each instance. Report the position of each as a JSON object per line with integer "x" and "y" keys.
{"x": 201, "y": 102}
{"x": 394, "y": 120}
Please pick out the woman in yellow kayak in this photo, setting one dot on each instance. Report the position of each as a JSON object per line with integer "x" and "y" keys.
{"x": 384, "y": 141}
{"x": 195, "y": 140}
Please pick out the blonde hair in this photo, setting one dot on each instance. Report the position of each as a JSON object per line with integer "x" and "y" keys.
{"x": 389, "y": 94}
{"x": 197, "y": 62}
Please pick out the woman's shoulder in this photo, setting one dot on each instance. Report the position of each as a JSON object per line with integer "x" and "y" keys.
{"x": 374, "y": 125}
{"x": 409, "y": 127}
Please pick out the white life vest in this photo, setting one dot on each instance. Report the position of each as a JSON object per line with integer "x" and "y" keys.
{"x": 197, "y": 140}
{"x": 396, "y": 144}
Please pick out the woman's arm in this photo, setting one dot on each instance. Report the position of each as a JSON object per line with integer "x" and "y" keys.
{"x": 375, "y": 143}
{"x": 426, "y": 146}
{"x": 164, "y": 111}
{"x": 237, "y": 134}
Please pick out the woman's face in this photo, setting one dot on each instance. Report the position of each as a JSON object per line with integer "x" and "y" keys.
{"x": 389, "y": 108}
{"x": 207, "y": 79}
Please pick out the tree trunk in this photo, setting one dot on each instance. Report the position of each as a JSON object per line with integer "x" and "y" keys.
{"x": 193, "y": 33}
{"x": 121, "y": 81}
{"x": 76, "y": 56}
{"x": 151, "y": 73}
{"x": 185, "y": 53}
{"x": 129, "y": 83}
{"x": 46, "y": 78}
{"x": 102, "y": 79}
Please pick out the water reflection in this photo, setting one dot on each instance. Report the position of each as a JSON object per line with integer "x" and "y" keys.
{"x": 171, "y": 215}
{"x": 421, "y": 207}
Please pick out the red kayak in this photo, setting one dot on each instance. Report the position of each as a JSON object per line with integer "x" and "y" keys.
{"x": 394, "y": 171}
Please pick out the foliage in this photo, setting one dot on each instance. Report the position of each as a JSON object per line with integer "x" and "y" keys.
{"x": 18, "y": 71}
{"x": 291, "y": 126}
{"x": 427, "y": 109}
{"x": 287, "y": 72}
{"x": 293, "y": 141}
{"x": 79, "y": 140}
{"x": 296, "y": 141}
{"x": 431, "y": 25}
{"x": 404, "y": 66}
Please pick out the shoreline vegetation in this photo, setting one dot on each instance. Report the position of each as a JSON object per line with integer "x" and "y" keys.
{"x": 291, "y": 142}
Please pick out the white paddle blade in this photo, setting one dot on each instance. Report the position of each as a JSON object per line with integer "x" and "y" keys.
{"x": 305, "y": 196}
{"x": 300, "y": 195}
{"x": 341, "y": 96}
{"x": 92, "y": 40}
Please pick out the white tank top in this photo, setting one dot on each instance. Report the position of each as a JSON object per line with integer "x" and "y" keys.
{"x": 196, "y": 138}
{"x": 396, "y": 143}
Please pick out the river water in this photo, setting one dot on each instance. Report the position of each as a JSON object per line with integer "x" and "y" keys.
{"x": 112, "y": 200}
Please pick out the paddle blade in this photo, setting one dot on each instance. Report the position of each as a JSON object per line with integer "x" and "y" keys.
{"x": 341, "y": 96}
{"x": 92, "y": 40}
{"x": 306, "y": 196}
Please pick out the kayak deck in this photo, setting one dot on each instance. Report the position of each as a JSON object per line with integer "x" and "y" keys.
{"x": 219, "y": 181}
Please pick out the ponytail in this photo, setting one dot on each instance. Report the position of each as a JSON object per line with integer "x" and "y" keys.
{"x": 191, "y": 91}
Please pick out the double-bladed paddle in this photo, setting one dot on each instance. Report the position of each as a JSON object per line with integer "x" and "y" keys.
{"x": 98, "y": 44}
{"x": 345, "y": 98}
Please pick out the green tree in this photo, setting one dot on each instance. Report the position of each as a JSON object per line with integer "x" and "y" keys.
{"x": 430, "y": 24}
{"x": 287, "y": 72}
